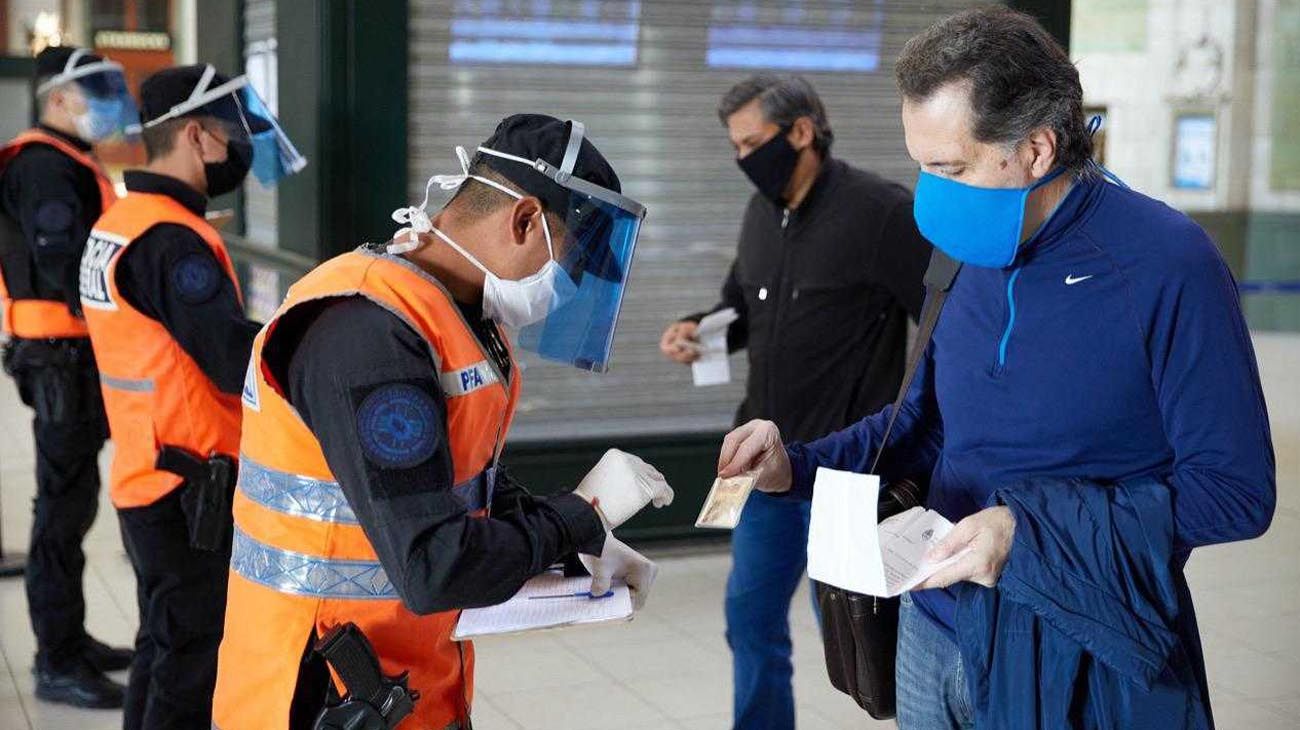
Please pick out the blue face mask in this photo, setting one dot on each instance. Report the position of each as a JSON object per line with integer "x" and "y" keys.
{"x": 977, "y": 226}
{"x": 101, "y": 120}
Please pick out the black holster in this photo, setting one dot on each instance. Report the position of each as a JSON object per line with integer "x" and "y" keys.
{"x": 373, "y": 701}
{"x": 57, "y": 379}
{"x": 206, "y": 496}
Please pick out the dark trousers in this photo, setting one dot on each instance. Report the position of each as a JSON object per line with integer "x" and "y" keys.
{"x": 182, "y": 597}
{"x": 768, "y": 557}
{"x": 58, "y": 380}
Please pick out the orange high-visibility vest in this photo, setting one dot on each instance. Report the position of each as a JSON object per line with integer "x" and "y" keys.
{"x": 301, "y": 562}
{"x": 154, "y": 392}
{"x": 42, "y": 318}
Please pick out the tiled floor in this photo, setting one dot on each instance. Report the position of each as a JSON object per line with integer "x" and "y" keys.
{"x": 669, "y": 668}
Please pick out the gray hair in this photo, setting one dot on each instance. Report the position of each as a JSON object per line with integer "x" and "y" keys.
{"x": 1020, "y": 78}
{"x": 783, "y": 99}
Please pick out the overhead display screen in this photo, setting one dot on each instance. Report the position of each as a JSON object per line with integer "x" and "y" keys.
{"x": 799, "y": 35}
{"x": 564, "y": 32}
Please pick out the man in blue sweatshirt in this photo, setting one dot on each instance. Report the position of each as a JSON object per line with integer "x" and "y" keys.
{"x": 1093, "y": 334}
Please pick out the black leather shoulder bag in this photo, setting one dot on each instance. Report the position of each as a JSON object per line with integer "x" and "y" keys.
{"x": 860, "y": 632}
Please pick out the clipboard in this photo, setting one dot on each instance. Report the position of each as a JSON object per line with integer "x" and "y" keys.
{"x": 546, "y": 601}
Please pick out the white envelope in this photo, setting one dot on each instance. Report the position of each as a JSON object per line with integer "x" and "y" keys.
{"x": 847, "y": 549}
{"x": 712, "y": 367}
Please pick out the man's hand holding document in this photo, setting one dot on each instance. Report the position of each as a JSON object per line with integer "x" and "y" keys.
{"x": 712, "y": 366}
{"x": 848, "y": 549}
{"x": 619, "y": 486}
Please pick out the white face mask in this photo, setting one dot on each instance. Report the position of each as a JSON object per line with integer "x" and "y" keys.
{"x": 515, "y": 303}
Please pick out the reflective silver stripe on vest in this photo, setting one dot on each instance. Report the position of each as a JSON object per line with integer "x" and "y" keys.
{"x": 144, "y": 385}
{"x": 307, "y": 575}
{"x": 324, "y": 501}
{"x": 294, "y": 494}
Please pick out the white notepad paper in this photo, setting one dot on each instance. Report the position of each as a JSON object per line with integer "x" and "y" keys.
{"x": 713, "y": 367}
{"x": 847, "y": 549}
{"x": 524, "y": 612}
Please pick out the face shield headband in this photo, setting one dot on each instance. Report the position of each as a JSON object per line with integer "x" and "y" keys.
{"x": 274, "y": 155}
{"x": 72, "y": 72}
{"x": 108, "y": 107}
{"x": 601, "y": 229}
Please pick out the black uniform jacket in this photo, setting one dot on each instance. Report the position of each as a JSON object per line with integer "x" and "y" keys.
{"x": 171, "y": 275}
{"x": 336, "y": 354}
{"x": 823, "y": 293}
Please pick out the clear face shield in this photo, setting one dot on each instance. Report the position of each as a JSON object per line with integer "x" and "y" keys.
{"x": 109, "y": 109}
{"x": 248, "y": 118}
{"x": 594, "y": 258}
{"x": 600, "y": 233}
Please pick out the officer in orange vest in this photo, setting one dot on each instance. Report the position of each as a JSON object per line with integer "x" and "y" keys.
{"x": 378, "y": 399}
{"x": 166, "y": 319}
{"x": 51, "y": 191}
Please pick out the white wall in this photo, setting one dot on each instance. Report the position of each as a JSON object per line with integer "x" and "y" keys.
{"x": 21, "y": 15}
{"x": 1263, "y": 197}
{"x": 1144, "y": 90}
{"x": 185, "y": 31}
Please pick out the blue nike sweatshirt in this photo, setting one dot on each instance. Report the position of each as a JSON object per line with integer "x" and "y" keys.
{"x": 1113, "y": 348}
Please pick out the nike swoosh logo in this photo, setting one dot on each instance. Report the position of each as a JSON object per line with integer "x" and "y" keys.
{"x": 1072, "y": 280}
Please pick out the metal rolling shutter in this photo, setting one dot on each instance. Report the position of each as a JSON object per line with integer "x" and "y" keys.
{"x": 260, "y": 220}
{"x": 655, "y": 121}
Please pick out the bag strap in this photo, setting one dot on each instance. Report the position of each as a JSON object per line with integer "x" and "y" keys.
{"x": 939, "y": 276}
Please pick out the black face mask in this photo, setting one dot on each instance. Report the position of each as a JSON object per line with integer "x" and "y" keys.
{"x": 228, "y": 174}
{"x": 770, "y": 166}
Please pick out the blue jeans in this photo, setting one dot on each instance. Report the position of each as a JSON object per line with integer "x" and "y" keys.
{"x": 769, "y": 550}
{"x": 932, "y": 692}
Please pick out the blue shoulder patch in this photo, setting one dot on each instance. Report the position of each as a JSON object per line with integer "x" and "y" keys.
{"x": 196, "y": 278}
{"x": 396, "y": 426}
{"x": 53, "y": 216}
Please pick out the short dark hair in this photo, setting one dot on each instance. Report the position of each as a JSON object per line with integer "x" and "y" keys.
{"x": 477, "y": 199}
{"x": 1020, "y": 78}
{"x": 783, "y": 100}
{"x": 160, "y": 139}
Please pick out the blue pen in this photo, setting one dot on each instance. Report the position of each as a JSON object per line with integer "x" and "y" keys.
{"x": 579, "y": 594}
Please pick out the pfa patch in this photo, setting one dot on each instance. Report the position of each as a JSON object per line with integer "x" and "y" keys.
{"x": 196, "y": 278}
{"x": 397, "y": 426}
{"x": 101, "y": 251}
{"x": 467, "y": 379}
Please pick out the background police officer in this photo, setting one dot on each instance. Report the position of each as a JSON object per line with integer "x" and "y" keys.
{"x": 170, "y": 336}
{"x": 51, "y": 191}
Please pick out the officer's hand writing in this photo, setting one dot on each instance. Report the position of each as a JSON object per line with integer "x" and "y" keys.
{"x": 620, "y": 485}
{"x": 756, "y": 446}
{"x": 986, "y": 538}
{"x": 679, "y": 343}
{"x": 617, "y": 561}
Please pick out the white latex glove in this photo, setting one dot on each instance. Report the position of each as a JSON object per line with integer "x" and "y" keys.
{"x": 617, "y": 561}
{"x": 620, "y": 485}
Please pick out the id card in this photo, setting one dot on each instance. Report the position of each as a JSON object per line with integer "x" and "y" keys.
{"x": 725, "y": 502}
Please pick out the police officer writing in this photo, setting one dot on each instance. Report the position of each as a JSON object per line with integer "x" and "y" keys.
{"x": 827, "y": 270}
{"x": 379, "y": 399}
{"x": 169, "y": 332}
{"x": 51, "y": 190}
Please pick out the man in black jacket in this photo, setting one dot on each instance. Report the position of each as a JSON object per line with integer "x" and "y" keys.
{"x": 828, "y": 269}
